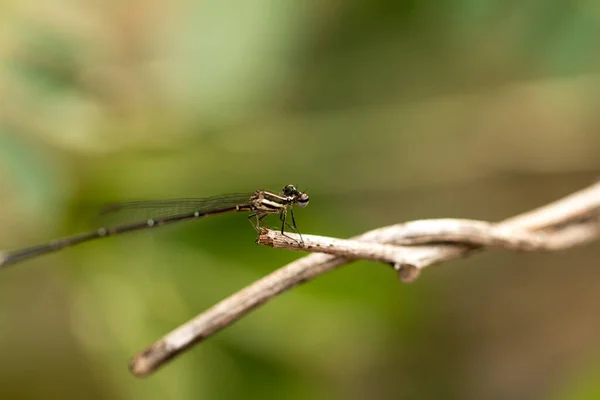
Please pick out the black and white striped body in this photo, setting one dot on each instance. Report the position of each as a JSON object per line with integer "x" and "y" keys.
{"x": 261, "y": 203}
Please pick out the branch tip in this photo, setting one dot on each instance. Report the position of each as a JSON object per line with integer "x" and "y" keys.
{"x": 146, "y": 362}
{"x": 407, "y": 273}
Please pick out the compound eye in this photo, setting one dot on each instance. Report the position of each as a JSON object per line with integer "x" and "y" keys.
{"x": 289, "y": 190}
{"x": 302, "y": 200}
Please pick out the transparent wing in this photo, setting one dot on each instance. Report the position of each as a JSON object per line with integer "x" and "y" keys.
{"x": 168, "y": 208}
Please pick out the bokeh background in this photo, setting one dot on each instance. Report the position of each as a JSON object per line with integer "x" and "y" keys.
{"x": 385, "y": 111}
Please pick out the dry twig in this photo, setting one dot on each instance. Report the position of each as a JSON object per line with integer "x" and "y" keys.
{"x": 410, "y": 247}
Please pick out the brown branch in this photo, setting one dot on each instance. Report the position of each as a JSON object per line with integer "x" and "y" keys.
{"x": 471, "y": 233}
{"x": 410, "y": 247}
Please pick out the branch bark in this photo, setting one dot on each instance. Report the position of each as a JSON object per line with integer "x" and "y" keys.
{"x": 409, "y": 247}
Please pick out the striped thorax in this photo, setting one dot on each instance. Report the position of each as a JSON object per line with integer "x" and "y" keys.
{"x": 268, "y": 202}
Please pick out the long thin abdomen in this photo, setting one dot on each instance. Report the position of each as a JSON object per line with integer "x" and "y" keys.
{"x": 16, "y": 256}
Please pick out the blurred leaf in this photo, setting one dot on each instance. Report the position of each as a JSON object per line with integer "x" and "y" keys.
{"x": 33, "y": 175}
{"x": 47, "y": 61}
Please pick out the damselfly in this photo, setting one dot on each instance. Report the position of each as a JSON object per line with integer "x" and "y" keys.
{"x": 260, "y": 204}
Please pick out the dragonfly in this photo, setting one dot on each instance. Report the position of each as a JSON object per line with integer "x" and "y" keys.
{"x": 259, "y": 204}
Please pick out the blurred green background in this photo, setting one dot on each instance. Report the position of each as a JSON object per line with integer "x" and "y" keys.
{"x": 384, "y": 111}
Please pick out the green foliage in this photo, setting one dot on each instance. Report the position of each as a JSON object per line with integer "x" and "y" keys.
{"x": 383, "y": 111}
